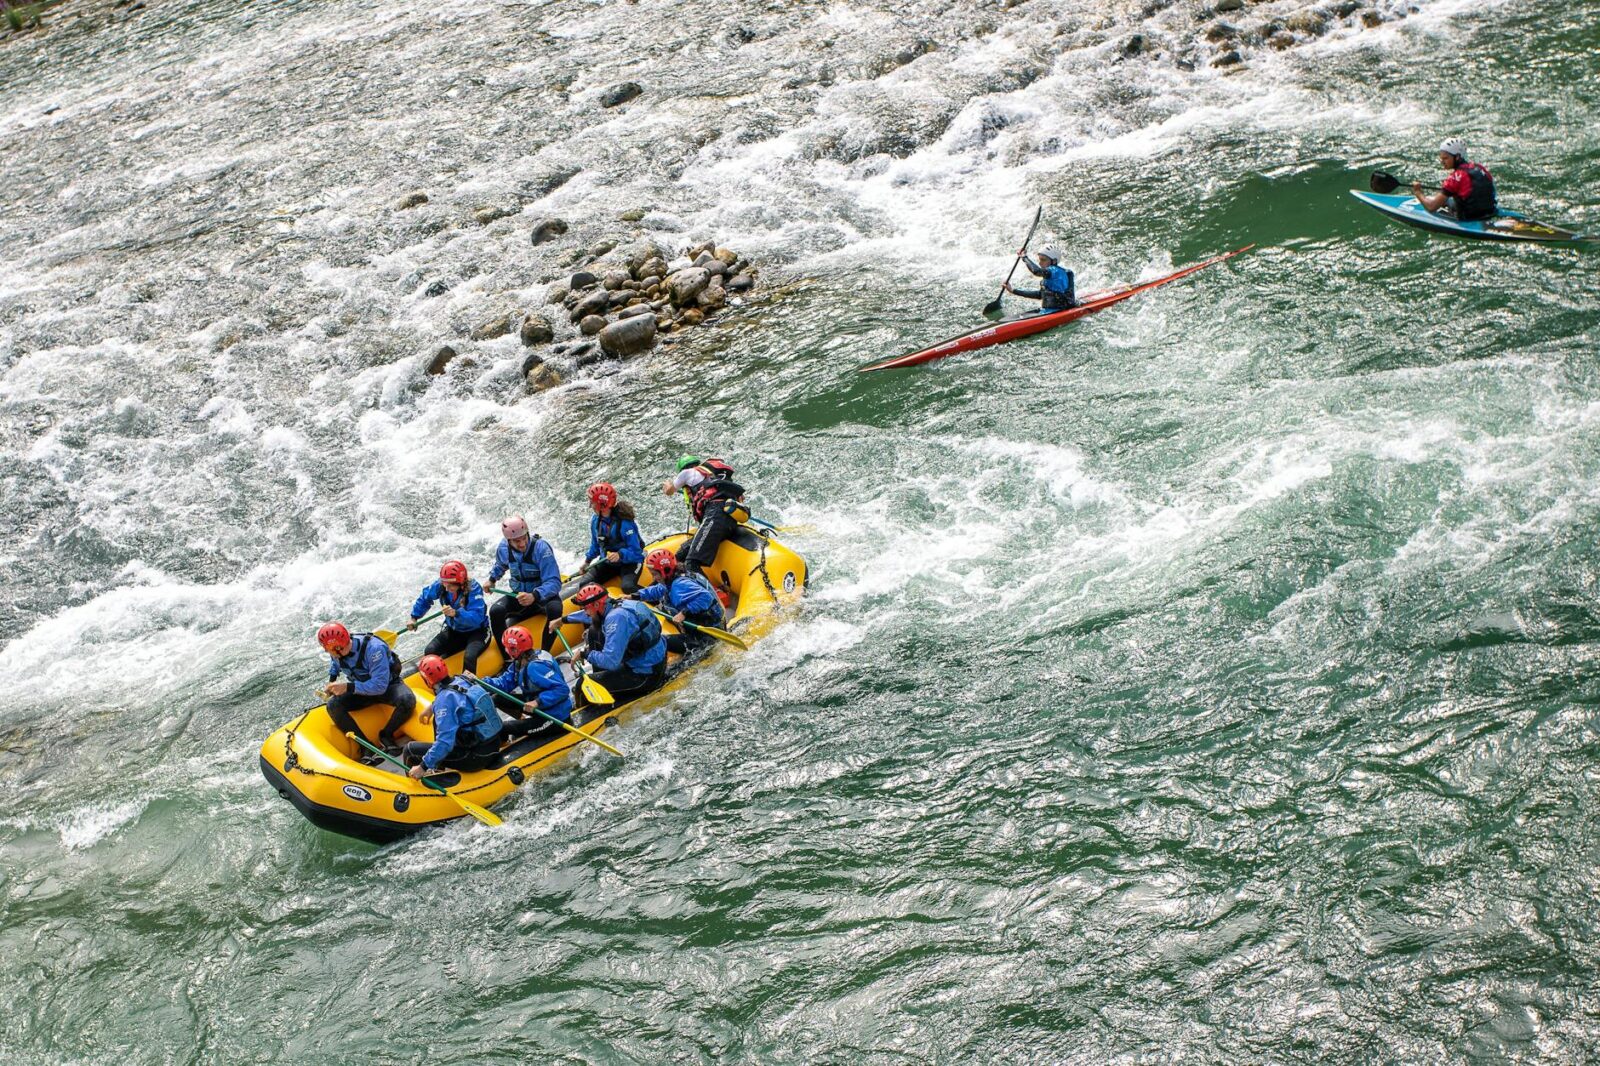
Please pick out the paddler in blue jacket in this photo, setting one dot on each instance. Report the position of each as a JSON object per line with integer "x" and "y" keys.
{"x": 625, "y": 644}
{"x": 466, "y": 617}
{"x": 373, "y": 670}
{"x": 616, "y": 550}
{"x": 535, "y": 578}
{"x": 1057, "y": 290}
{"x": 466, "y": 728}
{"x": 685, "y": 595}
{"x": 535, "y": 678}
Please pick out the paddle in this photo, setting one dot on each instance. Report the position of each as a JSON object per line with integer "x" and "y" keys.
{"x": 389, "y": 636}
{"x": 1385, "y": 183}
{"x": 593, "y": 690}
{"x": 716, "y": 634}
{"x": 993, "y": 306}
{"x": 564, "y": 725}
{"x": 764, "y": 524}
{"x": 484, "y": 816}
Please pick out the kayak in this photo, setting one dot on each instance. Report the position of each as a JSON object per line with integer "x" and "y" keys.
{"x": 319, "y": 770}
{"x": 1027, "y": 325}
{"x": 1505, "y": 226}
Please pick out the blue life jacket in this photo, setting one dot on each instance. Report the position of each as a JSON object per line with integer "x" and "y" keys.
{"x": 361, "y": 671}
{"x": 645, "y": 649}
{"x": 527, "y": 573}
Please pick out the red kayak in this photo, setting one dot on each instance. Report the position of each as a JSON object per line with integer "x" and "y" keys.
{"x": 1013, "y": 328}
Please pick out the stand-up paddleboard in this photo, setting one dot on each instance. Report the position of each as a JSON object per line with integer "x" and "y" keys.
{"x": 1026, "y": 326}
{"x": 1505, "y": 226}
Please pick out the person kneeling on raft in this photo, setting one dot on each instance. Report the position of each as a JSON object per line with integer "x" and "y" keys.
{"x": 535, "y": 578}
{"x": 1058, "y": 290}
{"x": 615, "y": 548}
{"x": 466, "y": 728}
{"x": 625, "y": 649}
{"x": 373, "y": 670}
{"x": 685, "y": 595}
{"x": 466, "y": 616}
{"x": 715, "y": 500}
{"x": 535, "y": 678}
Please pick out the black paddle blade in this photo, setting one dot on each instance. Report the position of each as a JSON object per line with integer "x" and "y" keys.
{"x": 992, "y": 307}
{"x": 1384, "y": 183}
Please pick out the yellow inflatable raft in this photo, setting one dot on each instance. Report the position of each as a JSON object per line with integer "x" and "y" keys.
{"x": 319, "y": 770}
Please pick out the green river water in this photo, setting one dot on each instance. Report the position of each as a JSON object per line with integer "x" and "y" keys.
{"x": 1211, "y": 681}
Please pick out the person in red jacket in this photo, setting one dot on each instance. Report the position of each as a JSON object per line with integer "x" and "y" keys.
{"x": 1468, "y": 190}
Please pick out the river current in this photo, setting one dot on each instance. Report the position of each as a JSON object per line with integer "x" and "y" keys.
{"x": 1209, "y": 681}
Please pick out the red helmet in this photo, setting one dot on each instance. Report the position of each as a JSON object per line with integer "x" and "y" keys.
{"x": 513, "y": 526}
{"x": 333, "y": 635}
{"x": 602, "y": 494}
{"x": 432, "y": 669}
{"x": 662, "y": 562}
{"x": 589, "y": 594}
{"x": 455, "y": 570}
{"x": 515, "y": 641}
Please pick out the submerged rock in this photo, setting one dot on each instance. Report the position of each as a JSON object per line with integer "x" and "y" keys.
{"x": 441, "y": 359}
{"x": 548, "y": 229}
{"x": 542, "y": 378}
{"x": 488, "y": 331}
{"x": 410, "y": 200}
{"x": 485, "y": 215}
{"x": 618, "y": 95}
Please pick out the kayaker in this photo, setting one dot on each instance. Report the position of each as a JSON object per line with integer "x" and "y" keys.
{"x": 1468, "y": 190}
{"x": 466, "y": 728}
{"x": 625, "y": 646}
{"x": 616, "y": 551}
{"x": 1058, "y": 289}
{"x": 715, "y": 500}
{"x": 535, "y": 578}
{"x": 684, "y": 595}
{"x": 373, "y": 670}
{"x": 534, "y": 677}
{"x": 466, "y": 616}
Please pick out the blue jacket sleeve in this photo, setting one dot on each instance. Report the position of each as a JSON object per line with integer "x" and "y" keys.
{"x": 445, "y": 708}
{"x": 377, "y": 663}
{"x": 424, "y": 601}
{"x": 502, "y": 562}
{"x": 619, "y": 629}
{"x": 549, "y": 571}
{"x": 333, "y": 668}
{"x": 554, "y": 695}
{"x": 594, "y": 538}
{"x": 652, "y": 593}
{"x": 632, "y": 552}
{"x": 505, "y": 680}
{"x": 579, "y": 617}
{"x": 472, "y": 615}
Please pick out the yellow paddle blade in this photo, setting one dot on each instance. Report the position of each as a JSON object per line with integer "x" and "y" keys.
{"x": 487, "y": 817}
{"x": 388, "y": 636}
{"x": 591, "y": 738}
{"x": 722, "y": 635}
{"x": 594, "y": 691}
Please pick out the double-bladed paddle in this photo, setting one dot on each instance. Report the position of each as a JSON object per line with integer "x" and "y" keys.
{"x": 1384, "y": 183}
{"x": 993, "y": 306}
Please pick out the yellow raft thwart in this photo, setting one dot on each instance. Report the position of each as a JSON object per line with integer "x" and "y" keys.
{"x": 319, "y": 770}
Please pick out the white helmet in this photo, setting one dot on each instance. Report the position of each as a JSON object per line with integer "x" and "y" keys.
{"x": 1454, "y": 146}
{"x": 1050, "y": 252}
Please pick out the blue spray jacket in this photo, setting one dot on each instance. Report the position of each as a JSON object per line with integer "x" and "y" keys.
{"x": 690, "y": 593}
{"x": 534, "y": 570}
{"x": 471, "y": 613}
{"x": 1058, "y": 291}
{"x": 370, "y": 666}
{"x": 538, "y": 681}
{"x": 625, "y": 622}
{"x": 615, "y": 535}
{"x": 463, "y": 717}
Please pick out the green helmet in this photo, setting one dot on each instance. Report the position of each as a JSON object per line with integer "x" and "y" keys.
{"x": 685, "y": 462}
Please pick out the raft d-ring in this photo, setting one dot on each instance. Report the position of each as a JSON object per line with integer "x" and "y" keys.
{"x": 516, "y": 775}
